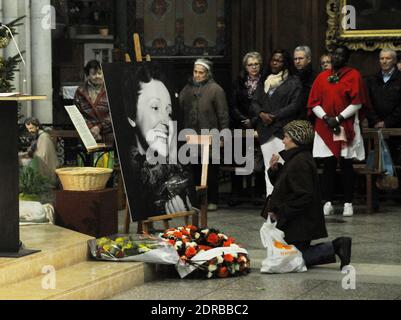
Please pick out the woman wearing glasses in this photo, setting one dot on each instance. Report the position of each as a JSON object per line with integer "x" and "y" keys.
{"x": 241, "y": 118}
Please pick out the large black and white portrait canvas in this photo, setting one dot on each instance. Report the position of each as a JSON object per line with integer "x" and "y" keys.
{"x": 143, "y": 104}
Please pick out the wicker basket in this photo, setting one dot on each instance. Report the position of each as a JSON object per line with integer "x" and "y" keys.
{"x": 84, "y": 179}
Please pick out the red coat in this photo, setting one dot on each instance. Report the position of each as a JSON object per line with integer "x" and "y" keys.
{"x": 335, "y": 98}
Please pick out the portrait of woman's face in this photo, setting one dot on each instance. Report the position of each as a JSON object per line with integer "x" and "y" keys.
{"x": 141, "y": 106}
{"x": 153, "y": 116}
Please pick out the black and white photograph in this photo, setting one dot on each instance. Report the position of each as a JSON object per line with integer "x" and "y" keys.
{"x": 142, "y": 104}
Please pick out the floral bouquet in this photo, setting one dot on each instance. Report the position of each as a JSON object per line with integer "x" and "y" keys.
{"x": 208, "y": 250}
{"x": 133, "y": 249}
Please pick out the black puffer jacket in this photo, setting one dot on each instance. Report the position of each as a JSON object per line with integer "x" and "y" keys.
{"x": 284, "y": 104}
{"x": 296, "y": 197}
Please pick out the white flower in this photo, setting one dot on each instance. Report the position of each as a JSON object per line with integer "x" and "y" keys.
{"x": 206, "y": 231}
{"x": 236, "y": 266}
{"x": 221, "y": 235}
{"x": 188, "y": 230}
{"x": 232, "y": 270}
{"x": 235, "y": 255}
{"x": 220, "y": 260}
{"x": 197, "y": 235}
{"x": 233, "y": 245}
{"x": 178, "y": 244}
{"x": 212, "y": 268}
{"x": 209, "y": 275}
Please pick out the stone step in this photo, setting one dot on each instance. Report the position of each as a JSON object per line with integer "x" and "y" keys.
{"x": 89, "y": 280}
{"x": 59, "y": 247}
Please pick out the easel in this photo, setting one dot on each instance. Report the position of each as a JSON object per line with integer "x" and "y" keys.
{"x": 205, "y": 142}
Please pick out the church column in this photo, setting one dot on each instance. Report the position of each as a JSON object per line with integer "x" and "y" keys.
{"x": 41, "y": 46}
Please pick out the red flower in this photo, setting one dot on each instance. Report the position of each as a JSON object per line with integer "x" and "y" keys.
{"x": 190, "y": 252}
{"x": 185, "y": 232}
{"x": 213, "y": 239}
{"x": 229, "y": 258}
{"x": 192, "y": 228}
{"x": 172, "y": 242}
{"x": 206, "y": 248}
{"x": 222, "y": 272}
{"x": 177, "y": 234}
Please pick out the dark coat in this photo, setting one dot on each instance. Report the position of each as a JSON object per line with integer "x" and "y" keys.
{"x": 204, "y": 106}
{"x": 386, "y": 100}
{"x": 296, "y": 197}
{"x": 307, "y": 77}
{"x": 284, "y": 104}
{"x": 241, "y": 103}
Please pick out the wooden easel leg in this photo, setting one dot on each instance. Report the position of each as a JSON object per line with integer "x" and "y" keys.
{"x": 195, "y": 220}
{"x": 142, "y": 227}
{"x": 203, "y": 212}
{"x": 127, "y": 219}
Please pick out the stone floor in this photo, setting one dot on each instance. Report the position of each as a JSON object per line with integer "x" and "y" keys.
{"x": 376, "y": 257}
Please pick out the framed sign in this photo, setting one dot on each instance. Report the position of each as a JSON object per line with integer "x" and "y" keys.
{"x": 364, "y": 24}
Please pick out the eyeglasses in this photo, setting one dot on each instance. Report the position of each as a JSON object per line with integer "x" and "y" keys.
{"x": 254, "y": 65}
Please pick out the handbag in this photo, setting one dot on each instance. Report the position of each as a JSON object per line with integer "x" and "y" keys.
{"x": 388, "y": 179}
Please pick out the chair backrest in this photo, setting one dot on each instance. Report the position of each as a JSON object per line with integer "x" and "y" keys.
{"x": 205, "y": 142}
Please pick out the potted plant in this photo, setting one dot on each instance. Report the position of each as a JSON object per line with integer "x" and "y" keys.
{"x": 32, "y": 185}
{"x": 102, "y": 18}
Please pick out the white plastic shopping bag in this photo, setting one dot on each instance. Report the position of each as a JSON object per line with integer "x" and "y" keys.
{"x": 281, "y": 257}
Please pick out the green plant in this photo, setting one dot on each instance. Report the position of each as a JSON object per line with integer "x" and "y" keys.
{"x": 8, "y": 66}
{"x": 31, "y": 182}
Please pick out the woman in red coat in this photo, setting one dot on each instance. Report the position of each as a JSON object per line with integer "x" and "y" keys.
{"x": 336, "y": 99}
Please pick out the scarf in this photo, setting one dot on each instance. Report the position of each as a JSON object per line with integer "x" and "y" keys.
{"x": 275, "y": 80}
{"x": 251, "y": 84}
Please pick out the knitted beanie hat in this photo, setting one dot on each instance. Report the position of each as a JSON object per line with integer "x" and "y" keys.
{"x": 300, "y": 131}
{"x": 205, "y": 63}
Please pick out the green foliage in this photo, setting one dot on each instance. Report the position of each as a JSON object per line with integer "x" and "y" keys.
{"x": 7, "y": 69}
{"x": 33, "y": 183}
{"x": 8, "y": 66}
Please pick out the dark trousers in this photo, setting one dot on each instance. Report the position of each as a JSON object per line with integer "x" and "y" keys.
{"x": 329, "y": 178}
{"x": 212, "y": 181}
{"x": 322, "y": 253}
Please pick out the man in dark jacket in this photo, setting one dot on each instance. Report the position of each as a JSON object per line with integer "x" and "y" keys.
{"x": 204, "y": 106}
{"x": 306, "y": 74}
{"x": 385, "y": 94}
{"x": 296, "y": 202}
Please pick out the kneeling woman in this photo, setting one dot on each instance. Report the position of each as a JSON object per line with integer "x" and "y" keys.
{"x": 296, "y": 202}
